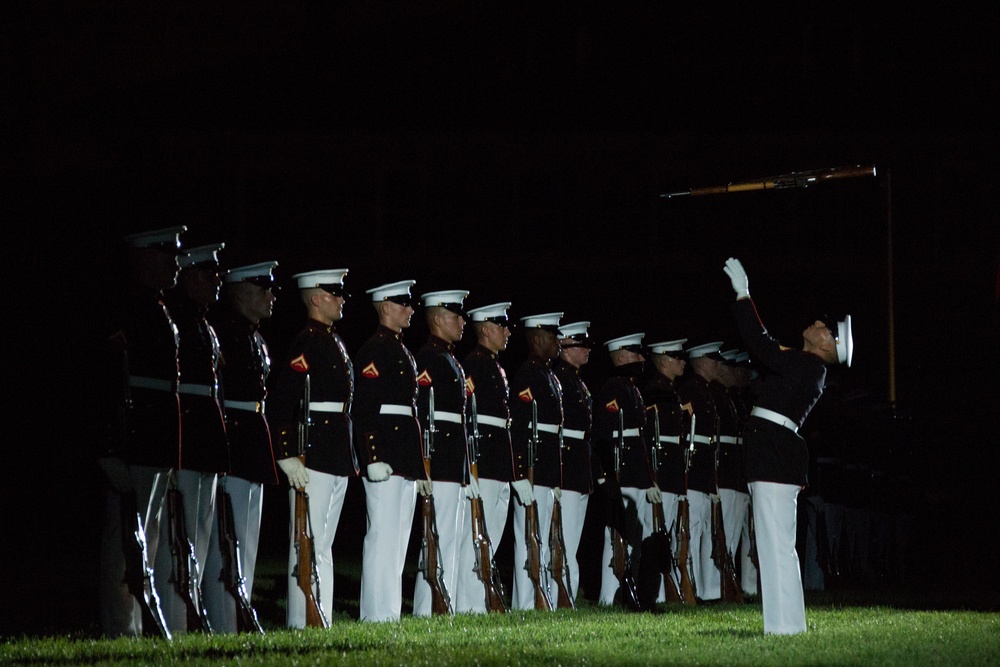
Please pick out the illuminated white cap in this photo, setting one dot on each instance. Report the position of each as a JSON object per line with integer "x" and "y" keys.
{"x": 202, "y": 256}
{"x": 674, "y": 348}
{"x": 546, "y": 321}
{"x": 452, "y": 300}
{"x": 398, "y": 292}
{"x": 327, "y": 279}
{"x": 632, "y": 342}
{"x": 259, "y": 274}
{"x": 167, "y": 239}
{"x": 495, "y": 312}
{"x": 710, "y": 350}
{"x": 845, "y": 341}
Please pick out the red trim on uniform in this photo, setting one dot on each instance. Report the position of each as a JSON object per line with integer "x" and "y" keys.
{"x": 299, "y": 364}
{"x": 370, "y": 371}
{"x": 470, "y": 387}
{"x": 612, "y": 406}
{"x": 424, "y": 379}
{"x": 526, "y": 395}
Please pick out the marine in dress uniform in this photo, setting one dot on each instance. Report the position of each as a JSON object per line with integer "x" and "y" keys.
{"x": 659, "y": 390}
{"x": 777, "y": 459}
{"x": 535, "y": 383}
{"x": 737, "y": 380}
{"x": 204, "y": 445}
{"x": 702, "y": 488}
{"x": 247, "y": 298}
{"x": 388, "y": 439}
{"x": 142, "y": 413}
{"x": 328, "y": 460}
{"x": 577, "y": 481}
{"x": 619, "y": 420}
{"x": 486, "y": 379}
{"x": 439, "y": 371}
{"x": 733, "y": 493}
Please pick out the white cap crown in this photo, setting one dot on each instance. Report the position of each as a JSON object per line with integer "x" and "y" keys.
{"x": 163, "y": 239}
{"x": 201, "y": 256}
{"x": 496, "y": 312}
{"x": 400, "y": 289}
{"x": 631, "y": 342}
{"x": 260, "y": 272}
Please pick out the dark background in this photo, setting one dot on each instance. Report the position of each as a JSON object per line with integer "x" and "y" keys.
{"x": 518, "y": 152}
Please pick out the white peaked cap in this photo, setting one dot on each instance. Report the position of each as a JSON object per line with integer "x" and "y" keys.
{"x": 250, "y": 272}
{"x": 444, "y": 298}
{"x": 157, "y": 238}
{"x": 389, "y": 290}
{"x": 625, "y": 342}
{"x": 705, "y": 350}
{"x": 547, "y": 321}
{"x": 742, "y": 357}
{"x": 495, "y": 311}
{"x": 574, "y": 329}
{"x": 668, "y": 346}
{"x": 845, "y": 341}
{"x": 311, "y": 279}
{"x": 203, "y": 254}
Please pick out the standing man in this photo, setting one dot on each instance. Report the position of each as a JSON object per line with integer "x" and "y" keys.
{"x": 694, "y": 391}
{"x": 438, "y": 371}
{"x": 577, "y": 482}
{"x": 388, "y": 439}
{"x": 536, "y": 385}
{"x": 777, "y": 459}
{"x": 486, "y": 379}
{"x": 619, "y": 419}
{"x": 247, "y": 298}
{"x": 204, "y": 444}
{"x": 660, "y": 391}
{"x": 141, "y": 415}
{"x": 317, "y": 352}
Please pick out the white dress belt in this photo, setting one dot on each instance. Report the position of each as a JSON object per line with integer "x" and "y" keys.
{"x": 493, "y": 421}
{"x": 151, "y": 383}
{"x": 672, "y": 439}
{"x": 197, "y": 389}
{"x": 548, "y": 428}
{"x": 326, "y": 406}
{"x": 445, "y": 416}
{"x": 702, "y": 439}
{"x": 776, "y": 417}
{"x": 628, "y": 433}
{"x": 394, "y": 409}
{"x": 729, "y": 439}
{"x": 575, "y": 434}
{"x": 248, "y": 406}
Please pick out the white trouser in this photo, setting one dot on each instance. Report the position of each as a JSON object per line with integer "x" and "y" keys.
{"x": 523, "y": 590}
{"x": 450, "y": 507}
{"x": 247, "y": 500}
{"x": 120, "y": 612}
{"x": 734, "y": 513}
{"x": 326, "y": 500}
{"x": 574, "y": 512}
{"x": 635, "y": 497}
{"x": 389, "y": 506}
{"x": 670, "y": 519}
{"x": 775, "y": 518}
{"x": 496, "y": 506}
{"x": 471, "y": 593}
{"x": 708, "y": 580}
{"x": 198, "y": 492}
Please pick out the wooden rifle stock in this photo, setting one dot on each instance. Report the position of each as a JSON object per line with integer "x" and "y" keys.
{"x": 752, "y": 536}
{"x": 430, "y": 561}
{"x": 232, "y": 569}
{"x": 485, "y": 567}
{"x": 684, "y": 551}
{"x": 532, "y": 539}
{"x": 138, "y": 574}
{"x": 306, "y": 574}
{"x": 621, "y": 560}
{"x": 671, "y": 594}
{"x": 731, "y": 589}
{"x": 558, "y": 563}
{"x": 185, "y": 572}
{"x": 795, "y": 179}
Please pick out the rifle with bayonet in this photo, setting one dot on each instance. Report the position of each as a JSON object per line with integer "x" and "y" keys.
{"x": 531, "y": 535}
{"x": 232, "y": 568}
{"x": 721, "y": 556}
{"x": 430, "y": 552}
{"x": 795, "y": 179}
{"x": 688, "y": 590}
{"x": 138, "y": 574}
{"x": 185, "y": 575}
{"x": 485, "y": 566}
{"x": 656, "y": 557}
{"x": 305, "y": 572}
{"x": 621, "y": 559}
{"x": 558, "y": 560}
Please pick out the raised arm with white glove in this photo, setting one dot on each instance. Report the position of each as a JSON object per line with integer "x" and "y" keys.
{"x": 379, "y": 471}
{"x": 738, "y": 277}
{"x": 298, "y": 476}
{"x": 525, "y": 493}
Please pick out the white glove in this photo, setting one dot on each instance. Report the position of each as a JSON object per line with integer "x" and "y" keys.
{"x": 525, "y": 494}
{"x": 117, "y": 473}
{"x": 557, "y": 493}
{"x": 379, "y": 471}
{"x": 298, "y": 476}
{"x": 425, "y": 487}
{"x": 738, "y": 276}
{"x": 472, "y": 488}
{"x": 654, "y": 495}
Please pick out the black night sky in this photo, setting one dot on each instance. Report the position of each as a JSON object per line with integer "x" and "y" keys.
{"x": 516, "y": 151}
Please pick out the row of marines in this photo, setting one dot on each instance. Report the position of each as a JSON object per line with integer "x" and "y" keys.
{"x": 187, "y": 388}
